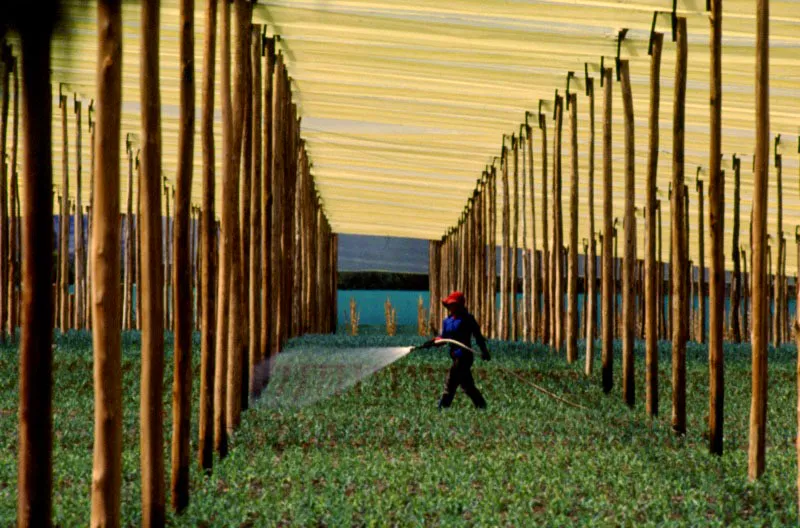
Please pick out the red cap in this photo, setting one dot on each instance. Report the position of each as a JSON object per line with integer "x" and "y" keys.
{"x": 454, "y": 298}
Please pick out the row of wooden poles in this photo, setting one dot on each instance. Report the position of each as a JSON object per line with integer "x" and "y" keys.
{"x": 464, "y": 258}
{"x": 261, "y": 271}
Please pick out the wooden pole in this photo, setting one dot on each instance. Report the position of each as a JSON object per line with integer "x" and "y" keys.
{"x": 492, "y": 254}
{"x": 572, "y": 280}
{"x": 526, "y": 261}
{"x": 758, "y": 406}
{"x": 166, "y": 257}
{"x": 205, "y": 447}
{"x": 534, "y": 305}
{"x": 151, "y": 434}
{"x": 736, "y": 278}
{"x": 607, "y": 299}
{"x": 5, "y": 65}
{"x": 591, "y": 264}
{"x": 13, "y": 266}
{"x": 89, "y": 274}
{"x": 225, "y": 246}
{"x": 515, "y": 242}
{"x": 777, "y": 329}
{"x": 505, "y": 272}
{"x": 679, "y": 246}
{"x": 546, "y": 315}
{"x": 701, "y": 265}
{"x": 244, "y": 32}
{"x": 559, "y": 229}
{"x": 138, "y": 246}
{"x": 127, "y": 303}
{"x": 279, "y": 137}
{"x": 35, "y": 437}
{"x": 79, "y": 248}
{"x": 182, "y": 371}
{"x": 63, "y": 227}
{"x": 235, "y": 342}
{"x": 254, "y": 344}
{"x": 651, "y": 332}
{"x": 628, "y": 309}
{"x": 716, "y": 196}
{"x": 268, "y": 50}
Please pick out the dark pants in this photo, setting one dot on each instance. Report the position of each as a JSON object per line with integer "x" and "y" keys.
{"x": 460, "y": 373}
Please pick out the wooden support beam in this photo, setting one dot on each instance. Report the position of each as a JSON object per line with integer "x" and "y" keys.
{"x": 736, "y": 277}
{"x": 546, "y": 301}
{"x": 716, "y": 196}
{"x": 607, "y": 300}
{"x": 572, "y": 280}
{"x": 700, "y": 328}
{"x": 221, "y": 390}
{"x": 89, "y": 274}
{"x": 590, "y": 287}
{"x": 492, "y": 254}
{"x": 628, "y": 308}
{"x": 534, "y": 306}
{"x": 758, "y": 406}
{"x": 151, "y": 433}
{"x": 208, "y": 244}
{"x": 279, "y": 138}
{"x": 515, "y": 242}
{"x": 651, "y": 275}
{"x": 558, "y": 227}
{"x": 35, "y": 437}
{"x": 267, "y": 305}
{"x": 244, "y": 33}
{"x": 13, "y": 259}
{"x": 5, "y": 81}
{"x": 777, "y": 319}
{"x": 79, "y": 247}
{"x": 526, "y": 261}
{"x": 182, "y": 370}
{"x": 505, "y": 255}
{"x": 254, "y": 301}
{"x": 680, "y": 328}
{"x": 127, "y": 302}
{"x": 63, "y": 227}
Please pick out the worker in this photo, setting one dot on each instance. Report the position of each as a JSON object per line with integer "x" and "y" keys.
{"x": 461, "y": 326}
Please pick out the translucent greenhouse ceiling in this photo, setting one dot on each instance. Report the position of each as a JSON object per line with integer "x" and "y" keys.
{"x": 404, "y": 104}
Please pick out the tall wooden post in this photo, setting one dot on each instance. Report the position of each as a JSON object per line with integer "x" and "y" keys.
{"x": 534, "y": 305}
{"x": 244, "y": 32}
{"x": 35, "y": 437}
{"x": 736, "y": 278}
{"x": 127, "y": 301}
{"x": 79, "y": 248}
{"x": 716, "y": 206}
{"x": 526, "y": 261}
{"x": 700, "y": 331}
{"x": 152, "y": 436}
{"x": 279, "y": 138}
{"x": 492, "y": 254}
{"x": 777, "y": 329}
{"x": 515, "y": 242}
{"x": 5, "y": 68}
{"x": 758, "y": 407}
{"x": 13, "y": 262}
{"x": 546, "y": 315}
{"x": 628, "y": 309}
{"x": 591, "y": 264}
{"x": 89, "y": 275}
{"x": 225, "y": 246}
{"x": 572, "y": 280}
{"x": 254, "y": 308}
{"x": 63, "y": 227}
{"x": 607, "y": 299}
{"x": 651, "y": 332}
{"x": 182, "y": 373}
{"x": 505, "y": 272}
{"x": 558, "y": 287}
{"x": 679, "y": 246}
{"x": 205, "y": 445}
{"x": 267, "y": 312}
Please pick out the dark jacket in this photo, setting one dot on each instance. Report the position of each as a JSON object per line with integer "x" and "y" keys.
{"x": 462, "y": 327}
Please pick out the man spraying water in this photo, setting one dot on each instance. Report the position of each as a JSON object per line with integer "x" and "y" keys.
{"x": 460, "y": 326}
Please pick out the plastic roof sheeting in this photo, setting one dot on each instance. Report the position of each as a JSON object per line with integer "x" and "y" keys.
{"x": 404, "y": 104}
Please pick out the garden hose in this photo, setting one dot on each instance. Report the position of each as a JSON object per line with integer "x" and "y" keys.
{"x": 512, "y": 373}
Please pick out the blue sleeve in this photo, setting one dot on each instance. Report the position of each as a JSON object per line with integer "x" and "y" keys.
{"x": 443, "y": 327}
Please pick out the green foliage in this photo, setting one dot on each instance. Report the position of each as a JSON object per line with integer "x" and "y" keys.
{"x": 381, "y": 454}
